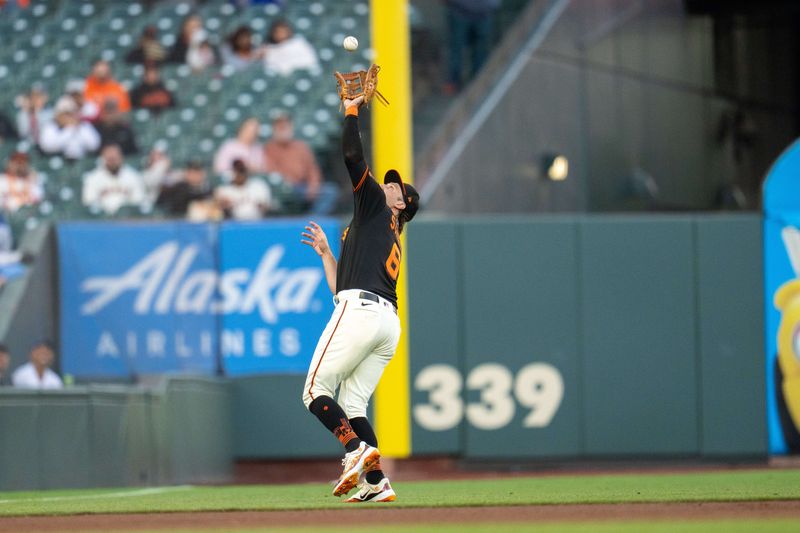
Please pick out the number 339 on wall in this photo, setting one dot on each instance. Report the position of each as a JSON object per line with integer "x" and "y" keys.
{"x": 538, "y": 387}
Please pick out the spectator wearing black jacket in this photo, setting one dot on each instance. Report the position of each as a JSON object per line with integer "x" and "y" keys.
{"x": 151, "y": 93}
{"x": 175, "y": 199}
{"x": 114, "y": 129}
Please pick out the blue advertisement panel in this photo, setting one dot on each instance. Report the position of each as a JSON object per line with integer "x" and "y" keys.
{"x": 276, "y": 299}
{"x": 177, "y": 297}
{"x": 137, "y": 299}
{"x": 782, "y": 285}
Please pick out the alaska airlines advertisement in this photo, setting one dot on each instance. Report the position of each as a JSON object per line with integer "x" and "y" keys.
{"x": 147, "y": 298}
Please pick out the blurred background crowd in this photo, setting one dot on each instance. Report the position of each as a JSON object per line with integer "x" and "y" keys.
{"x": 205, "y": 110}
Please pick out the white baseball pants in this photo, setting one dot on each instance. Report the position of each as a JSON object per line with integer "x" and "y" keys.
{"x": 357, "y": 344}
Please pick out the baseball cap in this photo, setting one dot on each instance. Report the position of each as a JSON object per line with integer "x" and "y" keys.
{"x": 410, "y": 194}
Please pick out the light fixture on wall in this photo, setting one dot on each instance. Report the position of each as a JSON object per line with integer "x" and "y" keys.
{"x": 555, "y": 167}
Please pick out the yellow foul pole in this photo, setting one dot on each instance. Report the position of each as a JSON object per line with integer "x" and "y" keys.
{"x": 392, "y": 148}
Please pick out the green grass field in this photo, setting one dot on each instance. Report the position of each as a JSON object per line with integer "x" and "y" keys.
{"x": 724, "y": 486}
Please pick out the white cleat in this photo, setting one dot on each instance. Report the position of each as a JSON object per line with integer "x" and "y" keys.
{"x": 355, "y": 464}
{"x": 380, "y": 492}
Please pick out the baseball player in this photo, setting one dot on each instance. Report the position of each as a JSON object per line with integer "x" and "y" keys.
{"x": 363, "y": 331}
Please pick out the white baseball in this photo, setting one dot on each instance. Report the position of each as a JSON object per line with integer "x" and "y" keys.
{"x": 350, "y": 43}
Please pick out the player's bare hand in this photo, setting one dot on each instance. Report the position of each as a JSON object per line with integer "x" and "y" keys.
{"x": 316, "y": 238}
{"x": 355, "y": 102}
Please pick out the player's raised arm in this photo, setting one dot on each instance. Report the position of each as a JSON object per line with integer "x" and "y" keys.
{"x": 351, "y": 143}
{"x": 315, "y": 237}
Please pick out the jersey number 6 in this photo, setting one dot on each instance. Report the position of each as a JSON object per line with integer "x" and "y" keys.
{"x": 393, "y": 262}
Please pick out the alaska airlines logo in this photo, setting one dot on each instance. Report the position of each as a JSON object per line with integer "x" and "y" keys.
{"x": 163, "y": 284}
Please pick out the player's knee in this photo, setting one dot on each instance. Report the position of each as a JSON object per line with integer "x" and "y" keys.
{"x": 315, "y": 391}
{"x": 307, "y": 398}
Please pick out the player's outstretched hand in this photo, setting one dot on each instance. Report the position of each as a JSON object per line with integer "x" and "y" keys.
{"x": 354, "y": 102}
{"x": 316, "y": 238}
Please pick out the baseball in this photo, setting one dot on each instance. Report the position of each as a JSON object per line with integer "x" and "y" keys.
{"x": 350, "y": 43}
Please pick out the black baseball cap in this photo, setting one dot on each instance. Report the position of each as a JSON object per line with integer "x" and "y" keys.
{"x": 410, "y": 194}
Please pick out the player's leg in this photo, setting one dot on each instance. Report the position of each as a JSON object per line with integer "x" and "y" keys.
{"x": 357, "y": 389}
{"x": 346, "y": 340}
{"x": 343, "y": 344}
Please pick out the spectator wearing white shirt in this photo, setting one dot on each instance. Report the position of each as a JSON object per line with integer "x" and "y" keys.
{"x": 36, "y": 373}
{"x": 87, "y": 110}
{"x": 244, "y": 146}
{"x": 113, "y": 184}
{"x": 286, "y": 52}
{"x": 19, "y": 184}
{"x": 67, "y": 134}
{"x": 243, "y": 198}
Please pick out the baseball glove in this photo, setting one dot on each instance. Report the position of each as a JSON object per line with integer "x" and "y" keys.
{"x": 351, "y": 85}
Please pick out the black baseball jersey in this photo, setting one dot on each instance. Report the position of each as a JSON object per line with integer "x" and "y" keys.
{"x": 370, "y": 256}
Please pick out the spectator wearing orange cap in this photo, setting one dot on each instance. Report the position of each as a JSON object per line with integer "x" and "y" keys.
{"x": 101, "y": 87}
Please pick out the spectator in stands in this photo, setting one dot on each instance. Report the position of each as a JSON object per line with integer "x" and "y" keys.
{"x": 7, "y": 130}
{"x": 470, "y": 24}
{"x": 244, "y": 198}
{"x": 101, "y": 87}
{"x": 114, "y": 128}
{"x": 67, "y": 135}
{"x": 5, "y": 363}
{"x": 112, "y": 184}
{"x": 191, "y": 25}
{"x": 295, "y": 162}
{"x": 192, "y": 186}
{"x": 19, "y": 184}
{"x": 148, "y": 50}
{"x": 239, "y": 51}
{"x": 286, "y": 52}
{"x": 36, "y": 373}
{"x": 201, "y": 54}
{"x": 245, "y": 147}
{"x": 87, "y": 110}
{"x": 151, "y": 93}
{"x": 33, "y": 113}
{"x": 156, "y": 173}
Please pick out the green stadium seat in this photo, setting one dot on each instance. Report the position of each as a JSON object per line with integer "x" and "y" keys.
{"x": 61, "y": 39}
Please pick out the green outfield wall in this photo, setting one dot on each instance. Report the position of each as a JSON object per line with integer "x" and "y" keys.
{"x": 113, "y": 435}
{"x": 588, "y": 336}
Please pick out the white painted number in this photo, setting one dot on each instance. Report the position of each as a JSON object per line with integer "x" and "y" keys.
{"x": 538, "y": 386}
{"x": 446, "y": 408}
{"x": 496, "y": 408}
